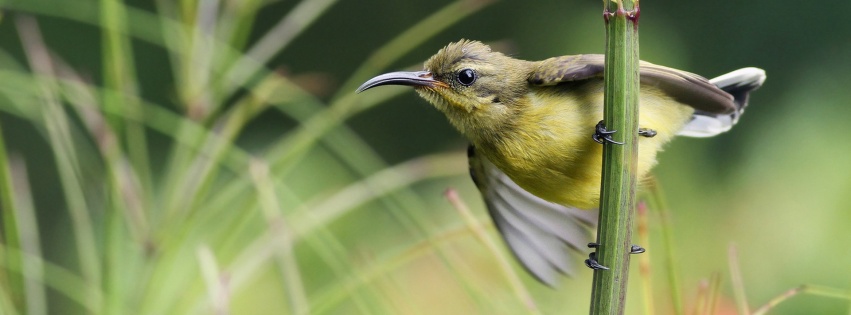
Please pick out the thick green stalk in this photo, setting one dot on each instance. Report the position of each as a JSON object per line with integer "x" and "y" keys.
{"x": 617, "y": 195}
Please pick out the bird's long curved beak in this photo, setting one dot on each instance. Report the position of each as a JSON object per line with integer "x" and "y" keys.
{"x": 415, "y": 78}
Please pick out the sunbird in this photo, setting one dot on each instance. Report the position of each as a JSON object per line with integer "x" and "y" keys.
{"x": 534, "y": 128}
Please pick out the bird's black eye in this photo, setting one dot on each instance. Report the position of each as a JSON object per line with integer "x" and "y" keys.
{"x": 466, "y": 76}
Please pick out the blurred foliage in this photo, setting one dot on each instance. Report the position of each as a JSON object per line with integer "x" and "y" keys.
{"x": 182, "y": 157}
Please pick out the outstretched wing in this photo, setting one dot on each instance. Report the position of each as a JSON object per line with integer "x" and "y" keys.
{"x": 684, "y": 87}
{"x": 539, "y": 233}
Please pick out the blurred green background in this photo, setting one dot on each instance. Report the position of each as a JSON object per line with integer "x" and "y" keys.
{"x": 185, "y": 157}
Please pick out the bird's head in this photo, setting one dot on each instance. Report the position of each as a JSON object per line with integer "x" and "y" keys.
{"x": 478, "y": 89}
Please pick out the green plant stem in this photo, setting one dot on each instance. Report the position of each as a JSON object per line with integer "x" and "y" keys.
{"x": 617, "y": 195}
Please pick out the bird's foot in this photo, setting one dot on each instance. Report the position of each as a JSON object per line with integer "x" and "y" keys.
{"x": 592, "y": 263}
{"x": 646, "y": 132}
{"x": 602, "y": 135}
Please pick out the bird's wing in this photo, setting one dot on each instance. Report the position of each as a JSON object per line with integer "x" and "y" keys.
{"x": 684, "y": 87}
{"x": 539, "y": 233}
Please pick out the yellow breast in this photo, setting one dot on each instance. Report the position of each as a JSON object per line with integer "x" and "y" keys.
{"x": 548, "y": 150}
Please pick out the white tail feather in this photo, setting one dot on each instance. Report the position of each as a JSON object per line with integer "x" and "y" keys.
{"x": 738, "y": 84}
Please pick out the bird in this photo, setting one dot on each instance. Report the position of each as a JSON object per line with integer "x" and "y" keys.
{"x": 534, "y": 128}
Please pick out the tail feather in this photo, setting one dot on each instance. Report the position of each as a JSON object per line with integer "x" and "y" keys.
{"x": 739, "y": 84}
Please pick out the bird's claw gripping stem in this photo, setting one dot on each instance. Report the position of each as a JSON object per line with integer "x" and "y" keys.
{"x": 646, "y": 132}
{"x": 602, "y": 135}
{"x": 592, "y": 262}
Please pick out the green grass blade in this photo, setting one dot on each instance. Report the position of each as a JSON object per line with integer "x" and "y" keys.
{"x": 33, "y": 289}
{"x": 333, "y": 295}
{"x": 807, "y": 288}
{"x": 327, "y": 246}
{"x": 58, "y": 127}
{"x": 644, "y": 265}
{"x": 385, "y": 181}
{"x": 193, "y": 182}
{"x": 59, "y": 279}
{"x": 274, "y": 41}
{"x": 217, "y": 289}
{"x": 124, "y": 180}
{"x": 285, "y": 256}
{"x": 120, "y": 75}
{"x": 659, "y": 206}
{"x": 511, "y": 275}
{"x": 701, "y": 298}
{"x": 714, "y": 293}
{"x": 11, "y": 283}
{"x": 737, "y": 281}
{"x": 237, "y": 21}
